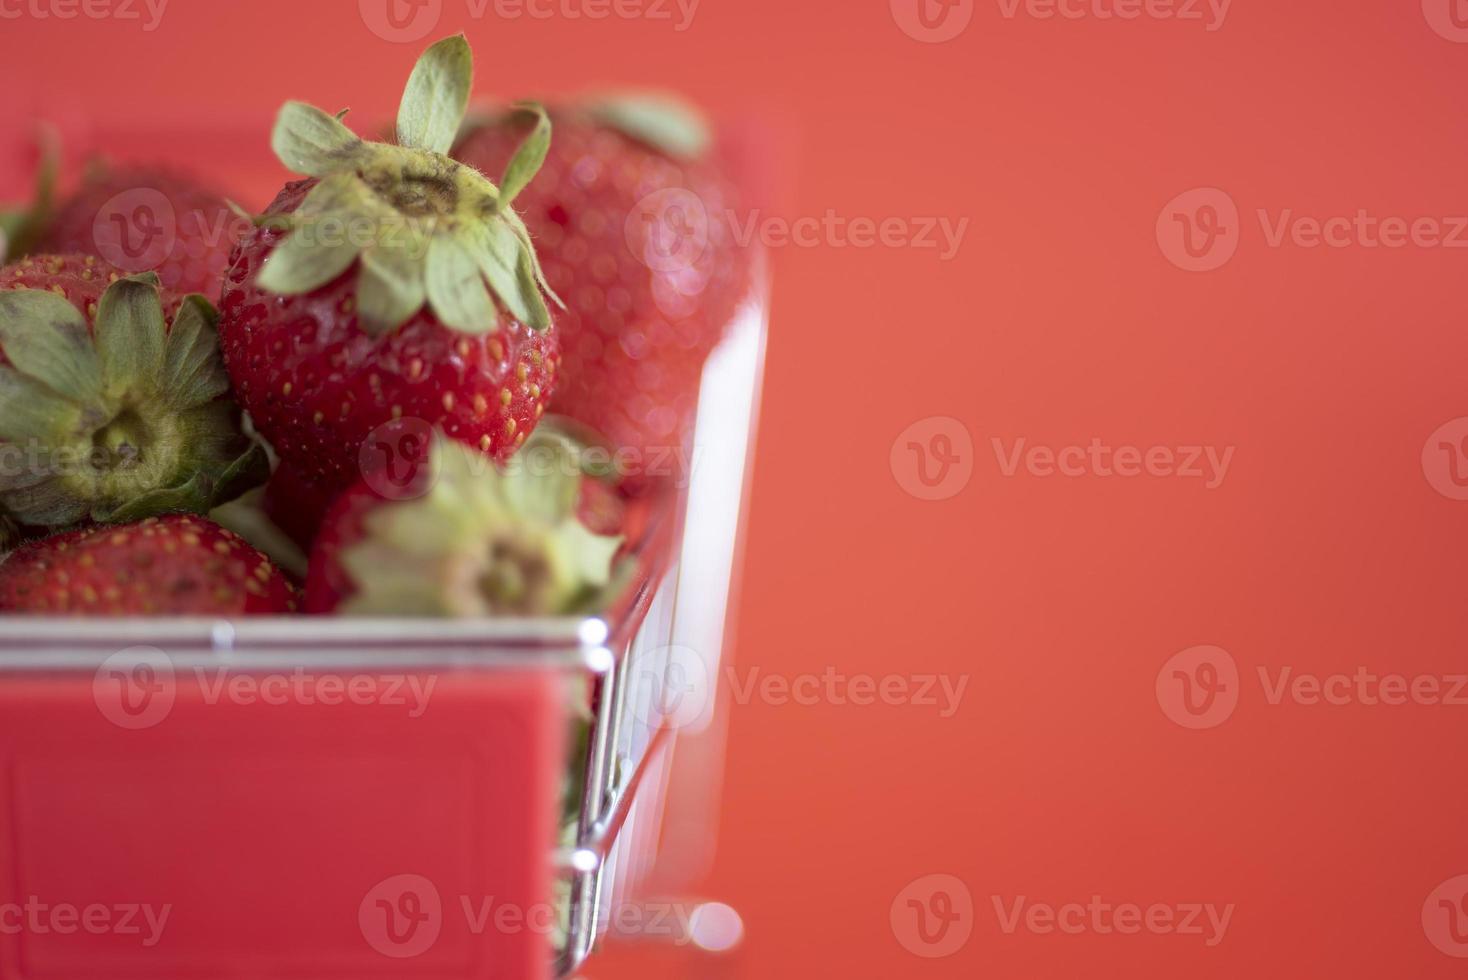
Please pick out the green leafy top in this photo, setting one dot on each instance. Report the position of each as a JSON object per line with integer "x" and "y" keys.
{"x": 484, "y": 541}
{"x": 21, "y": 228}
{"x": 425, "y": 228}
{"x": 660, "y": 121}
{"x": 120, "y": 422}
{"x": 664, "y": 122}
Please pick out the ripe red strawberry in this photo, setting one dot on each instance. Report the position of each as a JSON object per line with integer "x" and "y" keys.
{"x": 296, "y": 504}
{"x": 630, "y": 217}
{"x": 475, "y": 541}
{"x": 171, "y": 566}
{"x": 79, "y": 279}
{"x": 114, "y": 402}
{"x": 395, "y": 284}
{"x": 144, "y": 219}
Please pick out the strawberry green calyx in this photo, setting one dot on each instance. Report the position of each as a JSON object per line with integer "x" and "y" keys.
{"x": 663, "y": 122}
{"x": 21, "y": 228}
{"x": 420, "y": 227}
{"x": 484, "y": 542}
{"x": 659, "y": 121}
{"x": 118, "y": 423}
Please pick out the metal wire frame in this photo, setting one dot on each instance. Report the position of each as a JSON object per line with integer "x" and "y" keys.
{"x": 611, "y": 781}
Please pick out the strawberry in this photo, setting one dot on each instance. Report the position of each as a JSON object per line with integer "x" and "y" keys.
{"x": 149, "y": 219}
{"x": 78, "y": 278}
{"x": 475, "y": 541}
{"x": 296, "y": 504}
{"x": 114, "y": 402}
{"x": 394, "y": 284}
{"x": 174, "y": 566}
{"x": 630, "y": 218}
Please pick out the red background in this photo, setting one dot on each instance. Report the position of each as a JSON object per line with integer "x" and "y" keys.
{"x": 1060, "y": 320}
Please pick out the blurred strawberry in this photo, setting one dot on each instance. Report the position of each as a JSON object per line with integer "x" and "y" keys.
{"x": 396, "y": 286}
{"x": 150, "y": 219}
{"x": 79, "y": 279}
{"x": 631, "y": 217}
{"x": 296, "y": 504}
{"x": 600, "y": 507}
{"x": 168, "y": 566}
